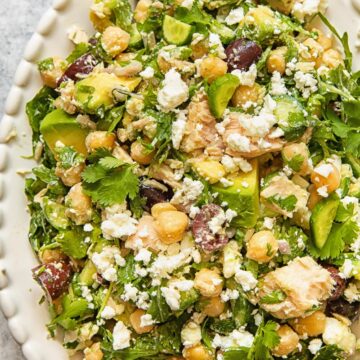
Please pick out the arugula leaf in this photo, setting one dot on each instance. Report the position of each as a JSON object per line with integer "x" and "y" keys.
{"x": 275, "y": 297}
{"x": 236, "y": 354}
{"x": 126, "y": 274}
{"x": 330, "y": 352}
{"x": 47, "y": 176}
{"x": 110, "y": 181}
{"x": 296, "y": 162}
{"x": 38, "y": 108}
{"x": 80, "y": 50}
{"x": 288, "y": 203}
{"x": 224, "y": 327}
{"x": 266, "y": 338}
{"x": 159, "y": 309}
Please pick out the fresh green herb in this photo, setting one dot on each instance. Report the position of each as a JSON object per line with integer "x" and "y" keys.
{"x": 275, "y": 297}
{"x": 80, "y": 50}
{"x": 46, "y": 65}
{"x": 72, "y": 243}
{"x": 288, "y": 203}
{"x": 68, "y": 157}
{"x": 296, "y": 162}
{"x": 329, "y": 352}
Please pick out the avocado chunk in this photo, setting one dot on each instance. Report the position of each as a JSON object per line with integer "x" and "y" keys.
{"x": 96, "y": 91}
{"x": 60, "y": 126}
{"x": 284, "y": 6}
{"x": 322, "y": 219}
{"x": 242, "y": 196}
{"x": 86, "y": 276}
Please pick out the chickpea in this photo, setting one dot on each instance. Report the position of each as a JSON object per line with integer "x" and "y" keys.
{"x": 79, "y": 205}
{"x": 208, "y": 282}
{"x": 211, "y": 170}
{"x": 135, "y": 320}
{"x": 94, "y": 352}
{"x": 297, "y": 157}
{"x": 171, "y": 226}
{"x": 262, "y": 246}
{"x": 276, "y": 60}
{"x": 314, "y": 197}
{"x": 214, "y": 306}
{"x": 70, "y": 176}
{"x": 313, "y": 53}
{"x": 197, "y": 352}
{"x": 100, "y": 139}
{"x": 115, "y": 40}
{"x": 324, "y": 40}
{"x": 212, "y": 67}
{"x": 51, "y": 73}
{"x": 159, "y": 208}
{"x": 289, "y": 341}
{"x": 312, "y": 325}
{"x": 51, "y": 255}
{"x": 141, "y": 12}
{"x": 332, "y": 59}
{"x": 140, "y": 154}
{"x": 248, "y": 94}
{"x": 331, "y": 181}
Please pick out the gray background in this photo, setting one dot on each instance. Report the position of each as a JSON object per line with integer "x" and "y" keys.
{"x": 18, "y": 19}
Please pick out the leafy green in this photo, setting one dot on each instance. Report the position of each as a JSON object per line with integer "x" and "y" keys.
{"x": 38, "y": 108}
{"x": 72, "y": 243}
{"x": 236, "y": 354}
{"x": 126, "y": 274}
{"x": 46, "y": 64}
{"x": 288, "y": 203}
{"x": 296, "y": 162}
{"x": 275, "y": 297}
{"x": 48, "y": 177}
{"x": 266, "y": 338}
{"x": 241, "y": 309}
{"x": 329, "y": 352}
{"x": 110, "y": 181}
{"x": 111, "y": 119}
{"x": 69, "y": 157}
{"x": 224, "y": 327}
{"x": 121, "y": 13}
{"x": 159, "y": 309}
{"x": 80, "y": 50}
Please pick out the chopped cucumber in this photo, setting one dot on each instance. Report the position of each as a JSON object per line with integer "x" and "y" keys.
{"x": 220, "y": 92}
{"x": 55, "y": 214}
{"x": 290, "y": 115}
{"x": 176, "y": 32}
{"x": 322, "y": 219}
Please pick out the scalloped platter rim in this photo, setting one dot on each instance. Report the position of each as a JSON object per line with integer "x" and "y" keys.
{"x": 19, "y": 294}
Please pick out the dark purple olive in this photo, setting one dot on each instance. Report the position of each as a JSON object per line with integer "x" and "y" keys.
{"x": 344, "y": 308}
{"x": 84, "y": 65}
{"x": 241, "y": 54}
{"x": 154, "y": 195}
{"x": 203, "y": 235}
{"x": 54, "y": 278}
{"x": 339, "y": 282}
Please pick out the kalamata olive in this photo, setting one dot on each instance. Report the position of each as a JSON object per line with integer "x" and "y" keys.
{"x": 155, "y": 195}
{"x": 344, "y": 308}
{"x": 84, "y": 65}
{"x": 339, "y": 282}
{"x": 201, "y": 228}
{"x": 241, "y": 54}
{"x": 53, "y": 277}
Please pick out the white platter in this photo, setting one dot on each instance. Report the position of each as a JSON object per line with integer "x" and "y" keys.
{"x": 19, "y": 294}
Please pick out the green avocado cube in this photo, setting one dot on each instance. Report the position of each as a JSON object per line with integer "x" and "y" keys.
{"x": 242, "y": 196}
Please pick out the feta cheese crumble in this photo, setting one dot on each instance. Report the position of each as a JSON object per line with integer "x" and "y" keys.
{"x": 235, "y": 16}
{"x": 306, "y": 83}
{"x": 246, "y": 279}
{"x": 178, "y": 129}
{"x": 191, "y": 334}
{"x": 148, "y": 73}
{"x": 121, "y": 336}
{"x": 246, "y": 77}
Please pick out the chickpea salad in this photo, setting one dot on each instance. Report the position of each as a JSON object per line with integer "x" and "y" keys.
{"x": 198, "y": 182}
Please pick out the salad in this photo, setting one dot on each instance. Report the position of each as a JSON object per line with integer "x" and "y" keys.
{"x": 197, "y": 189}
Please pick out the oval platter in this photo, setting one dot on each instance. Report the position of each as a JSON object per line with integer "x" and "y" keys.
{"x": 19, "y": 294}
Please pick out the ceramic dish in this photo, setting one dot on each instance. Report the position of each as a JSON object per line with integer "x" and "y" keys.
{"x": 20, "y": 295}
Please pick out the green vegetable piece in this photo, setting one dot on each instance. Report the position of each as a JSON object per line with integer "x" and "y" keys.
{"x": 60, "y": 126}
{"x": 72, "y": 243}
{"x": 86, "y": 276}
{"x": 220, "y": 92}
{"x": 96, "y": 91}
{"x": 135, "y": 37}
{"x": 242, "y": 196}
{"x": 55, "y": 214}
{"x": 322, "y": 218}
{"x": 176, "y": 32}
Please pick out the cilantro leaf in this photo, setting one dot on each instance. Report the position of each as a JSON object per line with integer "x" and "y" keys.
{"x": 329, "y": 352}
{"x": 110, "y": 162}
{"x": 93, "y": 173}
{"x": 69, "y": 157}
{"x": 275, "y": 297}
{"x": 296, "y": 162}
{"x": 288, "y": 203}
{"x": 72, "y": 243}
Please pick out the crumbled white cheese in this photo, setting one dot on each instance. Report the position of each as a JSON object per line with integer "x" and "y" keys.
{"x": 88, "y": 228}
{"x": 191, "y": 334}
{"x": 130, "y": 293}
{"x": 238, "y": 142}
{"x": 194, "y": 210}
{"x": 121, "y": 336}
{"x": 347, "y": 269}
{"x": 230, "y": 215}
{"x": 277, "y": 84}
{"x": 235, "y": 16}
{"x": 269, "y": 223}
{"x": 237, "y": 338}
{"x": 119, "y": 225}
{"x": 187, "y": 4}
{"x": 146, "y": 320}
{"x": 143, "y": 255}
{"x": 108, "y": 313}
{"x": 216, "y": 45}
{"x": 188, "y": 192}
{"x": 178, "y": 129}
{"x": 233, "y": 164}
{"x": 323, "y": 191}
{"x": 77, "y": 35}
{"x": 217, "y": 222}
{"x": 172, "y": 297}
{"x": 86, "y": 294}
{"x": 324, "y": 169}
{"x": 174, "y": 91}
{"x": 106, "y": 260}
{"x": 182, "y": 285}
{"x": 246, "y": 77}
{"x": 314, "y": 346}
{"x": 147, "y": 73}
{"x": 246, "y": 279}
{"x": 225, "y": 182}
{"x": 306, "y": 83}
{"x": 229, "y": 294}
{"x": 306, "y": 8}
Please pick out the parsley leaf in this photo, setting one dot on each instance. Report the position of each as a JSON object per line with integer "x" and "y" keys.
{"x": 275, "y": 297}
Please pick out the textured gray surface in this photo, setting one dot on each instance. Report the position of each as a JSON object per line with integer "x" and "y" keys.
{"x": 18, "y": 19}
